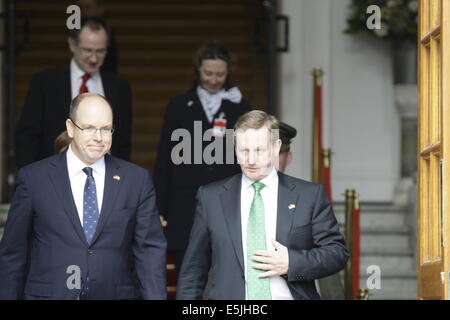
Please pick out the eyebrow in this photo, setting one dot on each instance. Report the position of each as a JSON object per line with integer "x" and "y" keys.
{"x": 91, "y": 125}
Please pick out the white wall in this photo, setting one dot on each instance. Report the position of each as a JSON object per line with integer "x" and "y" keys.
{"x": 361, "y": 124}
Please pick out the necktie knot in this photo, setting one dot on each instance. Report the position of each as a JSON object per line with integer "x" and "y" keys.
{"x": 258, "y": 186}
{"x": 88, "y": 171}
{"x": 85, "y": 77}
{"x": 83, "y": 87}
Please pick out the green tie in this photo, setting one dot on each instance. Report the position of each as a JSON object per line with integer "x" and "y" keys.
{"x": 257, "y": 288}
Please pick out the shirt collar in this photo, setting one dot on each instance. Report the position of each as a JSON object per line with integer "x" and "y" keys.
{"x": 271, "y": 181}
{"x": 75, "y": 165}
{"x": 77, "y": 73}
{"x": 203, "y": 93}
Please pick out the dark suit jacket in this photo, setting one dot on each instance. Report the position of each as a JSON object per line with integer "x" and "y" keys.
{"x": 43, "y": 237}
{"x": 46, "y": 109}
{"x": 310, "y": 232}
{"x": 177, "y": 185}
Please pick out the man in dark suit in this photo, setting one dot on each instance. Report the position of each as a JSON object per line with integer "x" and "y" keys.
{"x": 50, "y": 92}
{"x": 84, "y": 224}
{"x": 263, "y": 234}
{"x": 331, "y": 287}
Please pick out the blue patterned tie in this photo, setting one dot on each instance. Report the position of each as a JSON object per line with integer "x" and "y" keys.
{"x": 90, "y": 206}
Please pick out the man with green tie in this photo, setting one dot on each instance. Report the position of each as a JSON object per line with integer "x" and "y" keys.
{"x": 263, "y": 234}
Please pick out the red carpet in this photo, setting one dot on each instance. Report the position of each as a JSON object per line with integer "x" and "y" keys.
{"x": 171, "y": 278}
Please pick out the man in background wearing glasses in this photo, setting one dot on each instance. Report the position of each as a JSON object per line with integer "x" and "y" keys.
{"x": 50, "y": 92}
{"x": 84, "y": 224}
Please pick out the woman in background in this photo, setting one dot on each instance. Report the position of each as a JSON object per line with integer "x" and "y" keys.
{"x": 211, "y": 103}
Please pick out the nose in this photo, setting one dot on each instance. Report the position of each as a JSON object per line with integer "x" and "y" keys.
{"x": 98, "y": 135}
{"x": 251, "y": 157}
{"x": 93, "y": 58}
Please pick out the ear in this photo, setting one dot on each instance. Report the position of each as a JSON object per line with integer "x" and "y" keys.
{"x": 72, "y": 44}
{"x": 277, "y": 146}
{"x": 69, "y": 127}
{"x": 289, "y": 158}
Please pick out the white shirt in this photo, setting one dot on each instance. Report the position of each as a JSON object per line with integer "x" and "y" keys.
{"x": 278, "y": 286}
{"x": 211, "y": 102}
{"x": 78, "y": 179}
{"x": 94, "y": 83}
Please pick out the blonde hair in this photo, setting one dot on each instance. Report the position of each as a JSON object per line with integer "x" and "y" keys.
{"x": 258, "y": 119}
{"x": 62, "y": 141}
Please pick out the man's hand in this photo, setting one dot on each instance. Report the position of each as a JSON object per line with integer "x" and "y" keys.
{"x": 163, "y": 222}
{"x": 276, "y": 263}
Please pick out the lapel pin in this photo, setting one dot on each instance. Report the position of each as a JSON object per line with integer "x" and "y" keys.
{"x": 190, "y": 103}
{"x": 116, "y": 177}
{"x": 291, "y": 206}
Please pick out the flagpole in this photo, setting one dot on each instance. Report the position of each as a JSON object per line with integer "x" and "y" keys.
{"x": 317, "y": 174}
{"x": 327, "y": 171}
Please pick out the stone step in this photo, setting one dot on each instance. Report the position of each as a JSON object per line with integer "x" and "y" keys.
{"x": 390, "y": 274}
{"x": 387, "y": 237}
{"x": 388, "y": 251}
{"x": 380, "y": 243}
{"x": 371, "y": 207}
{"x": 389, "y": 264}
{"x": 376, "y": 219}
{"x": 3, "y": 212}
{"x": 393, "y": 289}
{"x": 398, "y": 276}
{"x": 394, "y": 286}
{"x": 380, "y": 230}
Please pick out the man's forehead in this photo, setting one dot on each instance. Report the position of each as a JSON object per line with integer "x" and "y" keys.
{"x": 93, "y": 100}
{"x": 87, "y": 32}
{"x": 253, "y": 136}
{"x": 253, "y": 133}
{"x": 92, "y": 105}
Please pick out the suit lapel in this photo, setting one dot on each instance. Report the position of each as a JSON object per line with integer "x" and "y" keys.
{"x": 110, "y": 192}
{"x": 287, "y": 203}
{"x": 61, "y": 182}
{"x": 231, "y": 204}
{"x": 107, "y": 86}
{"x": 66, "y": 91}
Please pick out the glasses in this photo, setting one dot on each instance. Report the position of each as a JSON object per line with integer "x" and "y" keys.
{"x": 90, "y": 131}
{"x": 88, "y": 52}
